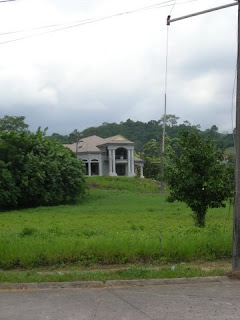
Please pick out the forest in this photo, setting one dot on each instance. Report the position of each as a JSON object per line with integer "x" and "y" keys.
{"x": 141, "y": 132}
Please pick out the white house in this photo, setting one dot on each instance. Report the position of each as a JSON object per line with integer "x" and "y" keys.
{"x": 112, "y": 156}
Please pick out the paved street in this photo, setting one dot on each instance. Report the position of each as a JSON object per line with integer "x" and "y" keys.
{"x": 215, "y": 300}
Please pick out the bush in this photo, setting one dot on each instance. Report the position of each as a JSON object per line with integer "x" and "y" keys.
{"x": 36, "y": 171}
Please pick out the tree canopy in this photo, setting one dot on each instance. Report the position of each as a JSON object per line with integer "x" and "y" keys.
{"x": 36, "y": 171}
{"x": 10, "y": 123}
{"x": 141, "y": 132}
{"x": 198, "y": 175}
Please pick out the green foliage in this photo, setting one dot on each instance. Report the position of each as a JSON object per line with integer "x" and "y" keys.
{"x": 141, "y": 132}
{"x": 152, "y": 168}
{"x": 66, "y": 274}
{"x": 197, "y": 175}
{"x": 10, "y": 123}
{"x": 170, "y": 119}
{"x": 152, "y": 161}
{"x": 112, "y": 227}
{"x": 152, "y": 149}
{"x": 123, "y": 184}
{"x": 36, "y": 171}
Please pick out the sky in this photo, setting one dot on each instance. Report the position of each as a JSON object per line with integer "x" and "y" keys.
{"x": 73, "y": 64}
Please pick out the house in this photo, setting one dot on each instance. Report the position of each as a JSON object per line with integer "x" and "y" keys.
{"x": 113, "y": 156}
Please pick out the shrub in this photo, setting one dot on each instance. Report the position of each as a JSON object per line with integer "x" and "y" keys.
{"x": 37, "y": 171}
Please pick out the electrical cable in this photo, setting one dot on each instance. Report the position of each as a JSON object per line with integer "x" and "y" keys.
{"x": 43, "y": 27}
{"x": 232, "y": 107}
{"x": 6, "y": 0}
{"x": 87, "y": 21}
{"x": 172, "y": 7}
{"x": 233, "y": 91}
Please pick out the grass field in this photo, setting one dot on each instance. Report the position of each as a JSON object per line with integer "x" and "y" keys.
{"x": 121, "y": 221}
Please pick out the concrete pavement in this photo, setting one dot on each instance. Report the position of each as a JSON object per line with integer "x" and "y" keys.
{"x": 219, "y": 300}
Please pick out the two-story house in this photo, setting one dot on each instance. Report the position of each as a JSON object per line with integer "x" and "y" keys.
{"x": 113, "y": 156}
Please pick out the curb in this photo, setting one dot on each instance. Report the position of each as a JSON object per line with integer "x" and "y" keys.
{"x": 110, "y": 283}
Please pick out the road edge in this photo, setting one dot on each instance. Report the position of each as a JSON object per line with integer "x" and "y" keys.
{"x": 110, "y": 283}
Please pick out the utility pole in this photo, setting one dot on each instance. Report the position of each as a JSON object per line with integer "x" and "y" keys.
{"x": 236, "y": 214}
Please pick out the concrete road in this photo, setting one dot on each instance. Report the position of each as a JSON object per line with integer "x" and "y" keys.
{"x": 214, "y": 300}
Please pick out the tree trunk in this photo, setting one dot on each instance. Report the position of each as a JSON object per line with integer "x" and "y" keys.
{"x": 200, "y": 217}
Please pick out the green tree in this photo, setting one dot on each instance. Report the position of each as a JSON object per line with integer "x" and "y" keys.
{"x": 171, "y": 120}
{"x": 151, "y": 156}
{"x": 152, "y": 149}
{"x": 10, "y": 123}
{"x": 198, "y": 175}
{"x": 36, "y": 171}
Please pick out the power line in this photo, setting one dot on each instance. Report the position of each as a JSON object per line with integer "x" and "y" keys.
{"x": 84, "y": 20}
{"x": 87, "y": 21}
{"x": 6, "y": 0}
{"x": 43, "y": 27}
{"x": 172, "y": 7}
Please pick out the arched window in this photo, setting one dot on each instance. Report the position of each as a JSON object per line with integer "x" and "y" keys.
{"x": 121, "y": 154}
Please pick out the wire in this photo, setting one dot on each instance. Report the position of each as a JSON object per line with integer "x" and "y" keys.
{"x": 87, "y": 21}
{"x": 79, "y": 21}
{"x": 172, "y": 7}
{"x": 6, "y": 0}
{"x": 232, "y": 107}
{"x": 43, "y": 27}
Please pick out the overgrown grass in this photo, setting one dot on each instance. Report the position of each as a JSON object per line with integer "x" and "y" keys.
{"x": 112, "y": 227}
{"x": 124, "y": 183}
{"x": 133, "y": 272}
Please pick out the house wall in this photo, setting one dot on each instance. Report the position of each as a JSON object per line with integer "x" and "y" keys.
{"x": 113, "y": 162}
{"x": 91, "y": 158}
{"x": 108, "y": 164}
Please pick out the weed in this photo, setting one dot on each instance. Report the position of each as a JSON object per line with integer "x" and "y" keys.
{"x": 112, "y": 227}
{"x": 28, "y": 231}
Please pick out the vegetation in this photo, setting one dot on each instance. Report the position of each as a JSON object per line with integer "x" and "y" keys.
{"x": 142, "y": 132}
{"x": 152, "y": 160}
{"x": 112, "y": 226}
{"x": 77, "y": 273}
{"x": 124, "y": 184}
{"x": 13, "y": 123}
{"x": 132, "y": 130}
{"x": 35, "y": 171}
{"x": 197, "y": 175}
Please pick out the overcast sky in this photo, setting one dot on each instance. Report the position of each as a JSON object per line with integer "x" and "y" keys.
{"x": 114, "y": 69}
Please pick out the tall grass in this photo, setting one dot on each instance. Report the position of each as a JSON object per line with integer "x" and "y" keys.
{"x": 112, "y": 227}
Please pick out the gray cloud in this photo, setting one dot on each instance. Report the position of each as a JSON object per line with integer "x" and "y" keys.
{"x": 115, "y": 70}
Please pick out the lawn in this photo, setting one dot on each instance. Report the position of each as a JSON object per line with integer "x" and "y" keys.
{"x": 120, "y": 222}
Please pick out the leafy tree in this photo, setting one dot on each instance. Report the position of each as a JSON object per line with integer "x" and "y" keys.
{"x": 56, "y": 137}
{"x": 152, "y": 168}
{"x": 171, "y": 120}
{"x": 10, "y": 123}
{"x": 36, "y": 171}
{"x": 151, "y": 156}
{"x": 74, "y": 136}
{"x": 141, "y": 132}
{"x": 197, "y": 175}
{"x": 152, "y": 149}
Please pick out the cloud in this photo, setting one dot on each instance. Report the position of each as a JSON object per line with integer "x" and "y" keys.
{"x": 113, "y": 70}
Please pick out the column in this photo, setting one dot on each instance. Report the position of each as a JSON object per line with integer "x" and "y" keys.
{"x": 129, "y": 163}
{"x": 100, "y": 165}
{"x": 110, "y": 161}
{"x": 141, "y": 172}
{"x": 132, "y": 163}
{"x": 114, "y": 162}
{"x": 89, "y": 168}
